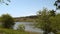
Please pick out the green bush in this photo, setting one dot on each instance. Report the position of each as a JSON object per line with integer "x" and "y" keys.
{"x": 21, "y": 27}
{"x": 7, "y": 21}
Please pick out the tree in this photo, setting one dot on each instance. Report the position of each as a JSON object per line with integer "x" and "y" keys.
{"x": 5, "y": 1}
{"x": 7, "y": 21}
{"x": 57, "y": 4}
{"x": 52, "y": 13}
{"x": 55, "y": 23}
{"x": 44, "y": 22}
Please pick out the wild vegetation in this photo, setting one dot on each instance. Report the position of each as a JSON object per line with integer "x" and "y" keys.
{"x": 26, "y": 18}
{"x": 11, "y": 31}
{"x": 21, "y": 27}
{"x": 47, "y": 20}
{"x": 7, "y": 21}
{"x": 6, "y": 2}
{"x": 7, "y": 26}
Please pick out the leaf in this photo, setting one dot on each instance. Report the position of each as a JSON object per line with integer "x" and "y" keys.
{"x": 8, "y": 0}
{"x": 6, "y": 3}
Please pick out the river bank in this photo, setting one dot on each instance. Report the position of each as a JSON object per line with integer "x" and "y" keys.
{"x": 26, "y": 18}
{"x": 11, "y": 31}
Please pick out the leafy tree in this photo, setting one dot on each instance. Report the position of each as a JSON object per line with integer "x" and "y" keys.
{"x": 44, "y": 22}
{"x": 52, "y": 13}
{"x": 5, "y": 1}
{"x": 7, "y": 21}
{"x": 57, "y": 4}
{"x": 55, "y": 23}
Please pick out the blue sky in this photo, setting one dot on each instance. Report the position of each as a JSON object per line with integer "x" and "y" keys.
{"x": 18, "y": 8}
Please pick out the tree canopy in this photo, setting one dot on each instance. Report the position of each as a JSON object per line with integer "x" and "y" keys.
{"x": 48, "y": 21}
{"x": 7, "y": 21}
{"x": 5, "y": 1}
{"x": 57, "y": 4}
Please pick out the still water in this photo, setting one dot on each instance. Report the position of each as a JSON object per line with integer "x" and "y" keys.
{"x": 28, "y": 26}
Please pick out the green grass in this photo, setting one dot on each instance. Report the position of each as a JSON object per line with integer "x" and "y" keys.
{"x": 10, "y": 31}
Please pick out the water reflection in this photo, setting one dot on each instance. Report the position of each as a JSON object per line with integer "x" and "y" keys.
{"x": 28, "y": 26}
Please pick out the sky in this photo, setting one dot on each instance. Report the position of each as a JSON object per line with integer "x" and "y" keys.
{"x": 19, "y": 8}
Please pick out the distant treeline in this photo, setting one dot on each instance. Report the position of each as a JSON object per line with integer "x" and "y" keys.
{"x": 26, "y": 19}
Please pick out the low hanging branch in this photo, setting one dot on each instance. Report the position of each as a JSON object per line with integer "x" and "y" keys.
{"x": 57, "y": 4}
{"x": 5, "y": 1}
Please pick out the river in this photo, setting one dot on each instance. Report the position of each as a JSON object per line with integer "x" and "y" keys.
{"x": 28, "y": 27}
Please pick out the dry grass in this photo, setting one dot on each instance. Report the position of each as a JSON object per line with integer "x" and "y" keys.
{"x": 33, "y": 32}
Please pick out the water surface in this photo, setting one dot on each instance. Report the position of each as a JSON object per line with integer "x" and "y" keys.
{"x": 28, "y": 26}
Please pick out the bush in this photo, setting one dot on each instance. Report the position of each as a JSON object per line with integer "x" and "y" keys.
{"x": 21, "y": 27}
{"x": 7, "y": 21}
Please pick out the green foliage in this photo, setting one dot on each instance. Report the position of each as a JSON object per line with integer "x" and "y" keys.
{"x": 44, "y": 21}
{"x": 21, "y": 27}
{"x": 7, "y": 21}
{"x": 42, "y": 18}
{"x": 56, "y": 4}
{"x": 10, "y": 31}
{"x": 52, "y": 13}
{"x": 5, "y": 1}
{"x": 55, "y": 22}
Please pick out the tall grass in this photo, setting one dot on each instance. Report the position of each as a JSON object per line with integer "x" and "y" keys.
{"x": 10, "y": 31}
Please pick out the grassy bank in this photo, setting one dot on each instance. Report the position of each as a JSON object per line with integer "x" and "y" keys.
{"x": 10, "y": 31}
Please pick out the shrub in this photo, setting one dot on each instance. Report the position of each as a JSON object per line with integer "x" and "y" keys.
{"x": 7, "y": 21}
{"x": 21, "y": 27}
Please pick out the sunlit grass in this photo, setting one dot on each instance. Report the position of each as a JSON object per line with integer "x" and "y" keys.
{"x": 10, "y": 31}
